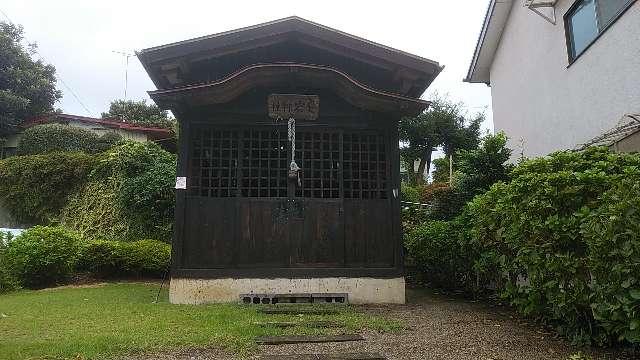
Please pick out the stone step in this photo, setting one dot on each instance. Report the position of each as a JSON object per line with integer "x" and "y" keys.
{"x": 312, "y": 324}
{"x": 354, "y": 356}
{"x": 294, "y": 311}
{"x": 278, "y": 340}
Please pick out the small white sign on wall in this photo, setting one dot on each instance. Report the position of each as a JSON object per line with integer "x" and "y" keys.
{"x": 181, "y": 182}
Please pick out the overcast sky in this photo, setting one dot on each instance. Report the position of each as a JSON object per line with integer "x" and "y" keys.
{"x": 78, "y": 37}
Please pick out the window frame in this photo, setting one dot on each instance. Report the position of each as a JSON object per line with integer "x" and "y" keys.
{"x": 572, "y": 58}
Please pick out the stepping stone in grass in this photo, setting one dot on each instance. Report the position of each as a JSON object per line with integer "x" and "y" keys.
{"x": 291, "y": 311}
{"x": 358, "y": 356}
{"x": 312, "y": 324}
{"x": 278, "y": 340}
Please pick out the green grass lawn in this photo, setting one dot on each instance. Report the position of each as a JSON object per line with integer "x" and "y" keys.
{"x": 101, "y": 322}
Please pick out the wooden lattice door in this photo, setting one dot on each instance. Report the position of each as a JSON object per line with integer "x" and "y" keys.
{"x": 247, "y": 211}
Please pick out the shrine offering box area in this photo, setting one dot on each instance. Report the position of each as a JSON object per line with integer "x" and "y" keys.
{"x": 288, "y": 167}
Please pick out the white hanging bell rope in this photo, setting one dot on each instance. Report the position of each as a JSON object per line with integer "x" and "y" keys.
{"x": 292, "y": 138}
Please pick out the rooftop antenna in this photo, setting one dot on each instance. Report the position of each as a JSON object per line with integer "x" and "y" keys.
{"x": 126, "y": 73}
{"x": 126, "y": 69}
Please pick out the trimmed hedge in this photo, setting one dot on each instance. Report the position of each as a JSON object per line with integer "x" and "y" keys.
{"x": 435, "y": 250}
{"x": 56, "y": 137}
{"x": 7, "y": 281}
{"x": 612, "y": 233}
{"x": 117, "y": 258}
{"x": 35, "y": 188}
{"x": 42, "y": 256}
{"x": 45, "y": 256}
{"x": 559, "y": 241}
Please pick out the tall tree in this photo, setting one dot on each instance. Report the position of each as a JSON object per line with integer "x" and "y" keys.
{"x": 27, "y": 86}
{"x": 139, "y": 112}
{"x": 443, "y": 124}
{"x": 482, "y": 167}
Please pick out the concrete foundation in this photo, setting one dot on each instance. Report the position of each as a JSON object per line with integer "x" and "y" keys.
{"x": 360, "y": 290}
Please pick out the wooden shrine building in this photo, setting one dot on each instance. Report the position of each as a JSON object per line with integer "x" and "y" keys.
{"x": 288, "y": 169}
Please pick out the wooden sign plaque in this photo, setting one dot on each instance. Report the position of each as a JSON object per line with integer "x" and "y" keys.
{"x": 299, "y": 107}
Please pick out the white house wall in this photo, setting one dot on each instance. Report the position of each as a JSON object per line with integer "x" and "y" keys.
{"x": 540, "y": 101}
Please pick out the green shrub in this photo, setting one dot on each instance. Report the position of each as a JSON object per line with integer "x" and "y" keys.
{"x": 612, "y": 233}
{"x": 146, "y": 257}
{"x": 95, "y": 212}
{"x": 445, "y": 202}
{"x": 528, "y": 237}
{"x": 560, "y": 241}
{"x": 8, "y": 282}
{"x": 130, "y": 195}
{"x": 480, "y": 168}
{"x": 101, "y": 258}
{"x": 43, "y": 256}
{"x": 434, "y": 247}
{"x": 411, "y": 214}
{"x": 116, "y": 258}
{"x": 34, "y": 188}
{"x": 410, "y": 193}
{"x": 56, "y": 137}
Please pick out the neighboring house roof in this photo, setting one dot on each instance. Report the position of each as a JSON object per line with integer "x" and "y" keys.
{"x": 161, "y": 62}
{"x": 492, "y": 28}
{"x": 152, "y": 132}
{"x": 627, "y": 126}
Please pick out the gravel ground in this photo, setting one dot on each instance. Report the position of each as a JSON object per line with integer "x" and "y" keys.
{"x": 437, "y": 328}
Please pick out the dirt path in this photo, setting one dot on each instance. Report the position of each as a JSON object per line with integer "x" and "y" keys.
{"x": 438, "y": 328}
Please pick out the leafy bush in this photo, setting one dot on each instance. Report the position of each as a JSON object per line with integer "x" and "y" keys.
{"x": 612, "y": 233}
{"x": 532, "y": 231}
{"x": 7, "y": 281}
{"x": 446, "y": 202}
{"x": 56, "y": 137}
{"x": 146, "y": 257}
{"x": 410, "y": 193}
{"x": 42, "y": 256}
{"x": 560, "y": 241}
{"x": 116, "y": 258}
{"x": 434, "y": 247}
{"x": 95, "y": 212}
{"x": 480, "y": 168}
{"x": 34, "y": 188}
{"x": 130, "y": 195}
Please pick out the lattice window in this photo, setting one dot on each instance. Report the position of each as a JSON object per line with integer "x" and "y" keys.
{"x": 264, "y": 163}
{"x": 214, "y": 163}
{"x": 365, "y": 165}
{"x": 255, "y": 163}
{"x": 318, "y": 155}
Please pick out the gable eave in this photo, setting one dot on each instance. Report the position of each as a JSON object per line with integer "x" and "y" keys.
{"x": 488, "y": 41}
{"x": 217, "y": 44}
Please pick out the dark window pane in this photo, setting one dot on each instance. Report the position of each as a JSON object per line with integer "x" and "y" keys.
{"x": 583, "y": 26}
{"x": 608, "y": 9}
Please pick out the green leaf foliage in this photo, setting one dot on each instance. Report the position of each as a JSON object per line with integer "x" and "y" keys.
{"x": 559, "y": 241}
{"x": 56, "y": 137}
{"x": 27, "y": 86}
{"x": 534, "y": 225}
{"x": 435, "y": 249}
{"x": 444, "y": 125}
{"x": 139, "y": 113}
{"x": 43, "y": 256}
{"x": 130, "y": 195}
{"x": 612, "y": 234}
{"x": 35, "y": 188}
{"x": 8, "y": 282}
{"x": 117, "y": 258}
{"x": 482, "y": 167}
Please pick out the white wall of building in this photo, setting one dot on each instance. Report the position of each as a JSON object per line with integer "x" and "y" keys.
{"x": 542, "y": 102}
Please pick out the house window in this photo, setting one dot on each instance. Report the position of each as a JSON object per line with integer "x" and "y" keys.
{"x": 587, "y": 19}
